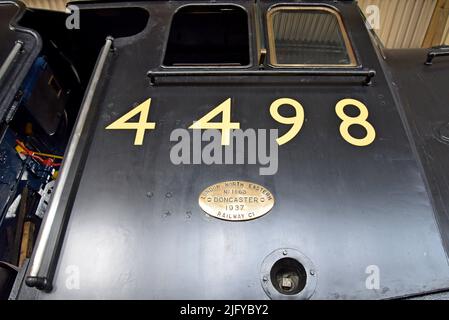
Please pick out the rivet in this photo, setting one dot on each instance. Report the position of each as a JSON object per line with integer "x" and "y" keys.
{"x": 166, "y": 214}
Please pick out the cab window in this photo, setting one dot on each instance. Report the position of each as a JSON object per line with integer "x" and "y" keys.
{"x": 208, "y": 35}
{"x": 305, "y": 36}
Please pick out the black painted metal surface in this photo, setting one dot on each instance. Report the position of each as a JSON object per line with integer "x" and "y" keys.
{"x": 425, "y": 100}
{"x": 29, "y": 45}
{"x": 344, "y": 208}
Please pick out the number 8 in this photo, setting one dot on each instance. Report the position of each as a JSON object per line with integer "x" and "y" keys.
{"x": 359, "y": 120}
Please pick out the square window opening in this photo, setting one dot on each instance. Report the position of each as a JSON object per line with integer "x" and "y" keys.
{"x": 208, "y": 35}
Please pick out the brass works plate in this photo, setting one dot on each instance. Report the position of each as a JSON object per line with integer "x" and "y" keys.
{"x": 236, "y": 200}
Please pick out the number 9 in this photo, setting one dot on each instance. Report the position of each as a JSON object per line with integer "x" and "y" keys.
{"x": 297, "y": 121}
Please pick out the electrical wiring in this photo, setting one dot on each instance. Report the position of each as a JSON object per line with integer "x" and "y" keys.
{"x": 43, "y": 158}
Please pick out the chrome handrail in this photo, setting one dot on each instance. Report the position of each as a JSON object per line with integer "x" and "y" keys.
{"x": 35, "y": 278}
{"x": 8, "y": 62}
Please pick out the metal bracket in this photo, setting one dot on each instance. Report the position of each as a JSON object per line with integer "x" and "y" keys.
{"x": 436, "y": 52}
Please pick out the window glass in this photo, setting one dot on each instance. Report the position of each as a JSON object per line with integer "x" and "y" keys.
{"x": 308, "y": 36}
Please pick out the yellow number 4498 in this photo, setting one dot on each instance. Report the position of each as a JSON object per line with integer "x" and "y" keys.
{"x": 142, "y": 125}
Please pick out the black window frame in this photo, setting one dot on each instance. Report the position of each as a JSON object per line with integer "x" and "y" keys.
{"x": 211, "y": 66}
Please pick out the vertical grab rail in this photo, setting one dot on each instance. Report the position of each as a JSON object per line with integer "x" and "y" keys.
{"x": 15, "y": 50}
{"x": 38, "y": 277}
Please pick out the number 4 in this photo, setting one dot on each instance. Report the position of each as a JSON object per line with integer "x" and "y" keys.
{"x": 123, "y": 124}
{"x": 225, "y": 125}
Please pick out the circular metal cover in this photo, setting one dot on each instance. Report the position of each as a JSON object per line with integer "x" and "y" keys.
{"x": 265, "y": 276}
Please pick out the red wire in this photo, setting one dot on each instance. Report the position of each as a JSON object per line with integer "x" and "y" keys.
{"x": 46, "y": 162}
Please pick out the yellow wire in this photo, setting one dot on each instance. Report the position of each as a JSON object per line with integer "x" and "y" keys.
{"x": 48, "y": 155}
